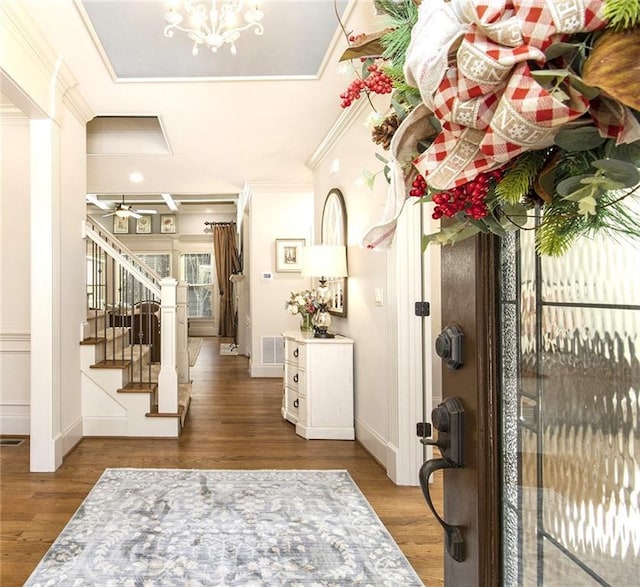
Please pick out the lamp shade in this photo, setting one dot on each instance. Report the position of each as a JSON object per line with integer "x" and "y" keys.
{"x": 324, "y": 261}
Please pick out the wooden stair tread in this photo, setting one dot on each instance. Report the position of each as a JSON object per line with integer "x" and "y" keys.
{"x": 92, "y": 340}
{"x": 138, "y": 387}
{"x": 112, "y": 364}
{"x": 163, "y": 414}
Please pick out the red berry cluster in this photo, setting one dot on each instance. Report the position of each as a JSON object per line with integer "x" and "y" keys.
{"x": 356, "y": 38}
{"x": 377, "y": 81}
{"x": 418, "y": 187}
{"x": 469, "y": 198}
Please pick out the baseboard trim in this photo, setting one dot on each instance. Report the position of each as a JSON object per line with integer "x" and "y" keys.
{"x": 70, "y": 437}
{"x": 104, "y": 426}
{"x": 17, "y": 422}
{"x": 373, "y": 443}
{"x": 266, "y": 371}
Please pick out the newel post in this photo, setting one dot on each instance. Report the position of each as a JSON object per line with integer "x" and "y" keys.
{"x": 183, "y": 334}
{"x": 168, "y": 376}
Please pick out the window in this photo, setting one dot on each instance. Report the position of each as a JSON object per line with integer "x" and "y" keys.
{"x": 197, "y": 271}
{"x": 159, "y": 262}
{"x": 134, "y": 291}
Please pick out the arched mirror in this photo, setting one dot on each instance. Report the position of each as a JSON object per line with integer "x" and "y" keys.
{"x": 334, "y": 232}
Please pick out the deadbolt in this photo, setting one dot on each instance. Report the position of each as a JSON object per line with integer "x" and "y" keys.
{"x": 449, "y": 346}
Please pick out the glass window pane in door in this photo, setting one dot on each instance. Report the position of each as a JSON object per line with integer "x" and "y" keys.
{"x": 571, "y": 418}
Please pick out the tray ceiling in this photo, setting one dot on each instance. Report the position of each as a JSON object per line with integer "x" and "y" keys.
{"x": 130, "y": 35}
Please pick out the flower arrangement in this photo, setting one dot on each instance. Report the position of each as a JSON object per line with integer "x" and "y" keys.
{"x": 303, "y": 302}
{"x": 501, "y": 110}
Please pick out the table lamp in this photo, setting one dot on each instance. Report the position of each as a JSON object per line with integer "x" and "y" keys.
{"x": 323, "y": 261}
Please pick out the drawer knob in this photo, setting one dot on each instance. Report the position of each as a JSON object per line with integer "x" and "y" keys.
{"x": 296, "y": 403}
{"x": 295, "y": 378}
{"x": 295, "y": 353}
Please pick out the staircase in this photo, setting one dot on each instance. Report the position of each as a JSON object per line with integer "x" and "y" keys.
{"x": 129, "y": 388}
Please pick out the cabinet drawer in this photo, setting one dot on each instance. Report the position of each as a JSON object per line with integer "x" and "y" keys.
{"x": 295, "y": 352}
{"x": 293, "y": 377}
{"x": 293, "y": 402}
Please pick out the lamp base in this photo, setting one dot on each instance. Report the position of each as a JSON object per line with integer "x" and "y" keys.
{"x": 323, "y": 334}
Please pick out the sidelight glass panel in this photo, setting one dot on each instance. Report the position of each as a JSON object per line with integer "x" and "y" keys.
{"x": 571, "y": 407}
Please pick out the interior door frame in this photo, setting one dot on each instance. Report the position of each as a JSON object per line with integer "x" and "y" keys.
{"x": 473, "y": 266}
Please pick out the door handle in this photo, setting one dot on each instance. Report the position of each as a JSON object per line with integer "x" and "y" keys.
{"x": 448, "y": 419}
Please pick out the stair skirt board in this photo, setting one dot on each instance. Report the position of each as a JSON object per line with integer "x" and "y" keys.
{"x": 120, "y": 427}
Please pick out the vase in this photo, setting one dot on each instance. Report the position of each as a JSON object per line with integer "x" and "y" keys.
{"x": 307, "y": 323}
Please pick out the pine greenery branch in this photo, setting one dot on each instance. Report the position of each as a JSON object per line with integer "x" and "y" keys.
{"x": 403, "y": 92}
{"x": 560, "y": 227}
{"x": 574, "y": 163}
{"x": 402, "y": 16}
{"x": 622, "y": 14}
{"x": 618, "y": 216}
{"x": 519, "y": 177}
{"x": 562, "y": 224}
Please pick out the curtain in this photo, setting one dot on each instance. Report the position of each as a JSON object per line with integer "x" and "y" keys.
{"x": 225, "y": 250}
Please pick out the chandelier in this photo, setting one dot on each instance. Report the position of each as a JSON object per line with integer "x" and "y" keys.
{"x": 214, "y": 23}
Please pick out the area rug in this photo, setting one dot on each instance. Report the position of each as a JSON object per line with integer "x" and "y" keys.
{"x": 183, "y": 527}
{"x": 194, "y": 345}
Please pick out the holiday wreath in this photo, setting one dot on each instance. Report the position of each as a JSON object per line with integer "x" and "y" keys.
{"x": 499, "y": 107}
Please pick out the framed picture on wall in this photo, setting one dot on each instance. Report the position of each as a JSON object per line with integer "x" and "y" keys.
{"x": 143, "y": 225}
{"x": 120, "y": 225}
{"x": 168, "y": 223}
{"x": 288, "y": 254}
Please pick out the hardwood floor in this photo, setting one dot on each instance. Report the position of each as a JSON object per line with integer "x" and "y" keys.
{"x": 234, "y": 422}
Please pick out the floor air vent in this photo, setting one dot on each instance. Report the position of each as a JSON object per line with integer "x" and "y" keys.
{"x": 11, "y": 441}
{"x": 272, "y": 350}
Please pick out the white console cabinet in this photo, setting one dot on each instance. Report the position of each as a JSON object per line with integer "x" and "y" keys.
{"x": 318, "y": 385}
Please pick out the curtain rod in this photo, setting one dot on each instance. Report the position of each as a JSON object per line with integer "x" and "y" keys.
{"x": 219, "y": 223}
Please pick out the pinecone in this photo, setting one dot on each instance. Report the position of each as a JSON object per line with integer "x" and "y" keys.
{"x": 383, "y": 133}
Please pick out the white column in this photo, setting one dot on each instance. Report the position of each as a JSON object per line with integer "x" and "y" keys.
{"x": 183, "y": 333}
{"x": 46, "y": 454}
{"x": 405, "y": 399}
{"x": 168, "y": 376}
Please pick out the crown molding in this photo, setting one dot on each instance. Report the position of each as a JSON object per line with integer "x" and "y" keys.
{"x": 42, "y": 62}
{"x": 344, "y": 122}
{"x": 11, "y": 113}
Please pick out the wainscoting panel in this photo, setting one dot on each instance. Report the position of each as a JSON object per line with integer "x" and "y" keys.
{"x": 15, "y": 382}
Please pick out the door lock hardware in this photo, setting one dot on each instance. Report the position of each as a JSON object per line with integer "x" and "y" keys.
{"x": 448, "y": 419}
{"x": 422, "y": 309}
{"x": 449, "y": 346}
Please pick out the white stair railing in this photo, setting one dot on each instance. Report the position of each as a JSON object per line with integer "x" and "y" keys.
{"x": 174, "y": 362}
{"x": 122, "y": 255}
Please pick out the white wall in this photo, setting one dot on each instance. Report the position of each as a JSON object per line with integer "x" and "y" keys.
{"x": 50, "y": 176}
{"x": 275, "y": 212}
{"x": 72, "y": 251}
{"x": 15, "y": 253}
{"x": 387, "y": 379}
{"x": 366, "y": 322}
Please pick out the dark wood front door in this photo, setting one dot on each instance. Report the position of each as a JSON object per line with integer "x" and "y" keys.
{"x": 471, "y": 494}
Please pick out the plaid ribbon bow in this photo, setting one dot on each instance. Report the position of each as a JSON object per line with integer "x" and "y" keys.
{"x": 491, "y": 106}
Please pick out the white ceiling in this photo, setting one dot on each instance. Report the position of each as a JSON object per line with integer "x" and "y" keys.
{"x": 220, "y": 131}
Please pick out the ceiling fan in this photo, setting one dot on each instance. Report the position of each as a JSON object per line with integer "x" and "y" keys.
{"x": 124, "y": 210}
